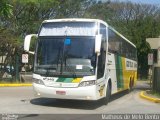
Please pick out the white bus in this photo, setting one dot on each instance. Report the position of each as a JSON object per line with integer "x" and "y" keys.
{"x": 82, "y": 59}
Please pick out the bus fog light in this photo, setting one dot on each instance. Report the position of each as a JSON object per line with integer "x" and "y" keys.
{"x": 88, "y": 97}
{"x": 87, "y": 83}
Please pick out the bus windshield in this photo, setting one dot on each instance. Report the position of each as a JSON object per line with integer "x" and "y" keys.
{"x": 66, "y": 56}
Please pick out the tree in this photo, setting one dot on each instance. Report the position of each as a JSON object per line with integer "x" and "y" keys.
{"x": 5, "y": 8}
{"x": 135, "y": 21}
{"x": 25, "y": 17}
{"x": 19, "y": 18}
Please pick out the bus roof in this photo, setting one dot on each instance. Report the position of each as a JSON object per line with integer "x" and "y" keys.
{"x": 122, "y": 36}
{"x": 87, "y": 20}
{"x": 75, "y": 20}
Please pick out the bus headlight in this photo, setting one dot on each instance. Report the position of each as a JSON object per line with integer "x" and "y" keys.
{"x": 87, "y": 83}
{"x": 38, "y": 81}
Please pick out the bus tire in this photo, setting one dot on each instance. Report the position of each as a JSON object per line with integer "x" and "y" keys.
{"x": 108, "y": 95}
{"x": 131, "y": 85}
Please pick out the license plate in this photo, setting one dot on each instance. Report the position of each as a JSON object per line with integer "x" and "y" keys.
{"x": 60, "y": 92}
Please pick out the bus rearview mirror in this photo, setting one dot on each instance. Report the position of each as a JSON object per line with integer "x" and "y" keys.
{"x": 27, "y": 42}
{"x": 98, "y": 41}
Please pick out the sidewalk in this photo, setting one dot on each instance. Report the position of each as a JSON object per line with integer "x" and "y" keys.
{"x": 15, "y": 84}
{"x": 145, "y": 93}
{"x": 150, "y": 97}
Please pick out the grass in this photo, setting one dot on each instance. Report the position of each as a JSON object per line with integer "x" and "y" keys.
{"x": 8, "y": 81}
{"x": 3, "y": 82}
{"x": 154, "y": 94}
{"x": 143, "y": 79}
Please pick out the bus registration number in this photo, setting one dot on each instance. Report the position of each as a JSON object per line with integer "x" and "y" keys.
{"x": 60, "y": 92}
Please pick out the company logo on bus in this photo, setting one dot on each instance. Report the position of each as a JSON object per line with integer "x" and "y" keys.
{"x": 131, "y": 64}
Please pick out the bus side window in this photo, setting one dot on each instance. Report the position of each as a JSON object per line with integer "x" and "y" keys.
{"x": 102, "y": 56}
{"x": 111, "y": 37}
{"x": 113, "y": 42}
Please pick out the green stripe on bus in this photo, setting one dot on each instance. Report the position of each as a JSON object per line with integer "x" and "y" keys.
{"x": 66, "y": 80}
{"x": 119, "y": 73}
{"x": 61, "y": 79}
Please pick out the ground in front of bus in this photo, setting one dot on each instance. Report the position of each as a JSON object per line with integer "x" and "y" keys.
{"x": 20, "y": 100}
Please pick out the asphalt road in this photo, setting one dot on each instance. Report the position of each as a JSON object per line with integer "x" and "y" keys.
{"x": 20, "y": 100}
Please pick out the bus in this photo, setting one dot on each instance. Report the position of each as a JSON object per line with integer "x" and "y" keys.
{"x": 81, "y": 59}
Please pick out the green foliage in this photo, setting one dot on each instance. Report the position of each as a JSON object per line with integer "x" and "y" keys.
{"x": 135, "y": 21}
{"x": 21, "y": 17}
{"x": 5, "y": 8}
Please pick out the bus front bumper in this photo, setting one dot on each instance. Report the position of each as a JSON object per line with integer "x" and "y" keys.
{"x": 79, "y": 93}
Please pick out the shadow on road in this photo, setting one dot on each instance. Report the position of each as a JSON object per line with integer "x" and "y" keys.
{"x": 119, "y": 95}
{"x": 74, "y": 104}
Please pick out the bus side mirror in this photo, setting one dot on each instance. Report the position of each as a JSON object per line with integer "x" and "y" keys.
{"x": 98, "y": 43}
{"x": 27, "y": 42}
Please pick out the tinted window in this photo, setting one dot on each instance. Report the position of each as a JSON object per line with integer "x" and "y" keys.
{"x": 102, "y": 56}
{"x": 119, "y": 46}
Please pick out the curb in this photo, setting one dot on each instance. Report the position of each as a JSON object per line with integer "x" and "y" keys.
{"x": 16, "y": 85}
{"x": 155, "y": 100}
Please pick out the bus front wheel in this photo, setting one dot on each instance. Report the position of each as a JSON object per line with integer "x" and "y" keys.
{"x": 108, "y": 95}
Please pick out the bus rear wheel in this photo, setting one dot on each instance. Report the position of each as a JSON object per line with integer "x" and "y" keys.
{"x": 108, "y": 95}
{"x": 131, "y": 85}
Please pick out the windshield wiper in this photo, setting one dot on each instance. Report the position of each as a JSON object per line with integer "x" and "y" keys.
{"x": 47, "y": 67}
{"x": 60, "y": 59}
